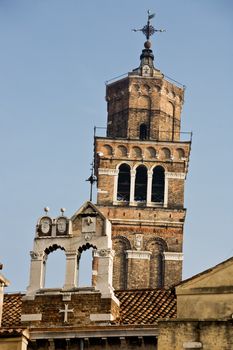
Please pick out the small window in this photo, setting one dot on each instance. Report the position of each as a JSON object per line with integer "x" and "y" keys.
{"x": 158, "y": 185}
{"x": 123, "y": 187}
{"x": 136, "y": 152}
{"x": 122, "y": 151}
{"x": 165, "y": 153}
{"x": 143, "y": 132}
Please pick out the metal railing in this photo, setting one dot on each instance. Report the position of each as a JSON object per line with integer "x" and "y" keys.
{"x": 172, "y": 136}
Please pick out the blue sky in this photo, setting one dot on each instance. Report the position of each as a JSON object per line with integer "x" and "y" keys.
{"x": 55, "y": 58}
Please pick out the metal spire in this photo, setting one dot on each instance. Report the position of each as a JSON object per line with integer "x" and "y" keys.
{"x": 148, "y": 30}
{"x": 92, "y": 179}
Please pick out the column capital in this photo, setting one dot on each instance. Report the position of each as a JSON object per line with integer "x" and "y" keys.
{"x": 70, "y": 253}
{"x": 104, "y": 253}
{"x": 37, "y": 255}
{"x": 132, "y": 172}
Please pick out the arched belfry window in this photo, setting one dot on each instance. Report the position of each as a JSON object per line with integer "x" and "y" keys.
{"x": 123, "y": 186}
{"x": 140, "y": 184}
{"x": 143, "y": 132}
{"x": 55, "y": 260}
{"x": 158, "y": 184}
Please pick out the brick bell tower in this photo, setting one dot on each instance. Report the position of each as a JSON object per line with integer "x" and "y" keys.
{"x": 141, "y": 166}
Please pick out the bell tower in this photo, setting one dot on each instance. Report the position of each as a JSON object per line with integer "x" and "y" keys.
{"x": 141, "y": 166}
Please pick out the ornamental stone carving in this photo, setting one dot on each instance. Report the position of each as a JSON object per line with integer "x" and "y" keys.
{"x": 88, "y": 224}
{"x": 36, "y": 255}
{"x": 138, "y": 241}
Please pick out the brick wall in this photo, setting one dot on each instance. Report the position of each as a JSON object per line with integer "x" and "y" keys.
{"x": 83, "y": 304}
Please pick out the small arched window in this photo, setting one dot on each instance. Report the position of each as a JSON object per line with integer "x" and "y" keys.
{"x": 143, "y": 132}
{"x": 158, "y": 185}
{"x": 121, "y": 151}
{"x": 107, "y": 150}
{"x": 123, "y": 186}
{"x": 165, "y": 153}
{"x": 180, "y": 153}
{"x": 140, "y": 184}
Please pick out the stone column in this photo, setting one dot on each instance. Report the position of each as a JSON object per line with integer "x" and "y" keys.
{"x": 165, "y": 190}
{"x": 115, "y": 186}
{"x": 149, "y": 187}
{"x": 37, "y": 273}
{"x": 94, "y": 270}
{"x": 71, "y": 270}
{"x": 104, "y": 273}
{"x": 132, "y": 186}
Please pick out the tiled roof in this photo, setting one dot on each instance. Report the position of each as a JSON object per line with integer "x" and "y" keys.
{"x": 136, "y": 307}
{"x": 146, "y": 306}
{"x": 12, "y": 305}
{"x": 11, "y": 332}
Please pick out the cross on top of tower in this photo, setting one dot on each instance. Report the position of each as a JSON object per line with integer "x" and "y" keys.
{"x": 148, "y": 30}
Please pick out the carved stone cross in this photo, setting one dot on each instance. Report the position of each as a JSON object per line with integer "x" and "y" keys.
{"x": 66, "y": 310}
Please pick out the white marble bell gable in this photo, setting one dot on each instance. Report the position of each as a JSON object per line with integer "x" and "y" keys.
{"x": 87, "y": 228}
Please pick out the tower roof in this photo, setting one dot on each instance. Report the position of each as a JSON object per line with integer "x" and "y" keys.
{"x": 147, "y": 57}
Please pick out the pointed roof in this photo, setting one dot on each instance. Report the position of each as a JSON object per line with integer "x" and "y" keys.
{"x": 220, "y": 275}
{"x": 147, "y": 67}
{"x": 84, "y": 207}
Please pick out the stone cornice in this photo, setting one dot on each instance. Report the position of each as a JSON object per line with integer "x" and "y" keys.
{"x": 132, "y": 222}
{"x": 105, "y": 171}
{"x": 171, "y": 175}
{"x": 106, "y": 331}
{"x": 173, "y": 256}
{"x": 138, "y": 254}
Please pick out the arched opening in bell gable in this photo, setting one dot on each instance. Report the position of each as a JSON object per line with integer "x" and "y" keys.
{"x": 158, "y": 182}
{"x": 54, "y": 267}
{"x": 140, "y": 184}
{"x": 143, "y": 132}
{"x": 85, "y": 265}
{"x": 123, "y": 186}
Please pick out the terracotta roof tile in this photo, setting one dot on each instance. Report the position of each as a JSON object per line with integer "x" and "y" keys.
{"x": 136, "y": 307}
{"x": 12, "y": 306}
{"x": 146, "y": 306}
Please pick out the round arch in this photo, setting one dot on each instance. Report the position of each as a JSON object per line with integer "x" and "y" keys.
{"x": 53, "y": 248}
{"x": 121, "y": 163}
{"x": 158, "y": 240}
{"x": 123, "y": 239}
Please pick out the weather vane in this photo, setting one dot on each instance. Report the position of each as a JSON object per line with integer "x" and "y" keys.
{"x": 148, "y": 30}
